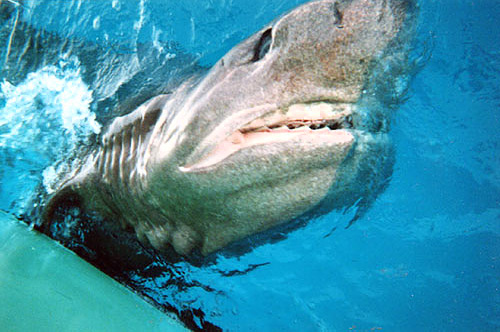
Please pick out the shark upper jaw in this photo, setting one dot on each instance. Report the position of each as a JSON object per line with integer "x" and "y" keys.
{"x": 309, "y": 126}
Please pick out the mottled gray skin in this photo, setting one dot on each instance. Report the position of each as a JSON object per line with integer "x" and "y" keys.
{"x": 175, "y": 169}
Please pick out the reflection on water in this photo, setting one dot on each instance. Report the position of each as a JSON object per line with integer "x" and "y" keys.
{"x": 424, "y": 257}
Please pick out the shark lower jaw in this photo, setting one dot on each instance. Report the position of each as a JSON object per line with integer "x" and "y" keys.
{"x": 301, "y": 129}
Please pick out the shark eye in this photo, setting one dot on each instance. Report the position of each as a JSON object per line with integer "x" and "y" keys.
{"x": 263, "y": 45}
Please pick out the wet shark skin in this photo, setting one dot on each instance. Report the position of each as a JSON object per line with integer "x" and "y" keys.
{"x": 154, "y": 170}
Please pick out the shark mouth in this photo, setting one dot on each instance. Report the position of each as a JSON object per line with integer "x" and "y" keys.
{"x": 317, "y": 122}
{"x": 315, "y": 116}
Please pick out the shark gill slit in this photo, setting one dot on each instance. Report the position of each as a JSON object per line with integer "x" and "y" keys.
{"x": 115, "y": 164}
{"x": 125, "y": 152}
{"x": 122, "y": 149}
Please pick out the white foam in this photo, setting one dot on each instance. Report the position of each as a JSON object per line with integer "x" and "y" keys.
{"x": 46, "y": 116}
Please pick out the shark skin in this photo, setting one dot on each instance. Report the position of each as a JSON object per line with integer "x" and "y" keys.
{"x": 292, "y": 120}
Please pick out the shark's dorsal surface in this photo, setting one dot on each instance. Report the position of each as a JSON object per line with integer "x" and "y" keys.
{"x": 292, "y": 119}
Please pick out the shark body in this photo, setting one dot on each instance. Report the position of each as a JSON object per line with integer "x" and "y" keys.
{"x": 290, "y": 120}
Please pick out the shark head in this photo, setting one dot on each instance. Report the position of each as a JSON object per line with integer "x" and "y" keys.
{"x": 264, "y": 136}
{"x": 286, "y": 120}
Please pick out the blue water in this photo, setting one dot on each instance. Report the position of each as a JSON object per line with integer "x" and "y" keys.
{"x": 423, "y": 258}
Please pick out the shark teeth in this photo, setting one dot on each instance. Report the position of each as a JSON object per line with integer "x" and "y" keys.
{"x": 313, "y": 116}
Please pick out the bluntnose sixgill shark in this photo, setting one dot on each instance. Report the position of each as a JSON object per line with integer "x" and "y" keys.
{"x": 293, "y": 119}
